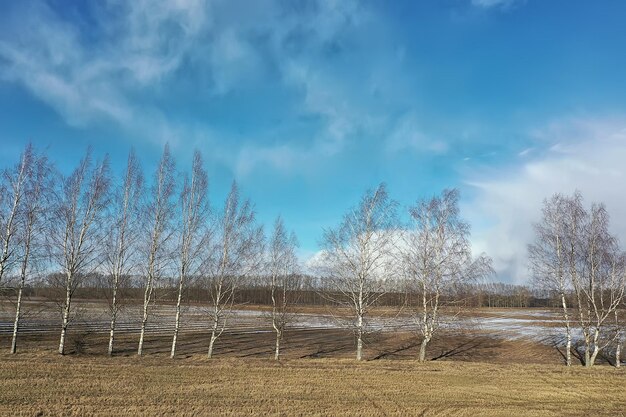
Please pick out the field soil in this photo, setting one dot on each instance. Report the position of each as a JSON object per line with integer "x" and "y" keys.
{"x": 496, "y": 363}
{"x": 78, "y": 385}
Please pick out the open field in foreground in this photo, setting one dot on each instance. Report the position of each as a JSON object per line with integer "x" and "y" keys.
{"x": 47, "y": 384}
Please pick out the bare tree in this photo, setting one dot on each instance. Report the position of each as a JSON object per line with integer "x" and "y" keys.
{"x": 575, "y": 252}
{"x": 437, "y": 258}
{"x": 121, "y": 257}
{"x": 548, "y": 256}
{"x": 38, "y": 186}
{"x": 234, "y": 254}
{"x": 357, "y": 256}
{"x": 598, "y": 282}
{"x": 76, "y": 233}
{"x": 194, "y": 213}
{"x": 13, "y": 191}
{"x": 159, "y": 213}
{"x": 283, "y": 272}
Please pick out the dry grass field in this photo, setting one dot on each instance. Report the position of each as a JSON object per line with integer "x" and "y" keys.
{"x": 471, "y": 371}
{"x": 46, "y": 384}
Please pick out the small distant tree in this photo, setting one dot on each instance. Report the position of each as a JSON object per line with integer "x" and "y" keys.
{"x": 159, "y": 213}
{"x": 437, "y": 258}
{"x": 32, "y": 223}
{"x": 121, "y": 259}
{"x": 284, "y": 278}
{"x": 357, "y": 257}
{"x": 235, "y": 252}
{"x": 194, "y": 210}
{"x": 77, "y": 233}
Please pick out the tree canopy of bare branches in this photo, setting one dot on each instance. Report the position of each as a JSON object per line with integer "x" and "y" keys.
{"x": 235, "y": 252}
{"x": 574, "y": 252}
{"x": 121, "y": 258}
{"x": 283, "y": 271}
{"x": 77, "y": 231}
{"x": 193, "y": 231}
{"x": 12, "y": 189}
{"x": 32, "y": 223}
{"x": 436, "y": 257}
{"x": 357, "y": 256}
{"x": 159, "y": 214}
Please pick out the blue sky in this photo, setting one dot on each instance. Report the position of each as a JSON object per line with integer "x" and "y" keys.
{"x": 309, "y": 103}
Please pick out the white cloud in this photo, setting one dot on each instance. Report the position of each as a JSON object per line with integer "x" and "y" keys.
{"x": 495, "y": 3}
{"x": 589, "y": 157}
{"x": 407, "y": 135}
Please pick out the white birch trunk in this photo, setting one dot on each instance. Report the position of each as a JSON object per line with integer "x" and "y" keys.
{"x": 568, "y": 330}
{"x": 177, "y": 320}
{"x": 359, "y": 339}
{"x": 422, "y": 357}
{"x": 214, "y": 336}
{"x": 144, "y": 320}
{"x": 596, "y": 348}
{"x": 277, "y": 350}
{"x": 18, "y": 307}
{"x": 66, "y": 315}
{"x": 113, "y": 316}
{"x": 16, "y": 324}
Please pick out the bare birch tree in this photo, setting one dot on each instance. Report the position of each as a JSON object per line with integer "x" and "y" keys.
{"x": 437, "y": 258}
{"x": 575, "y": 252}
{"x": 599, "y": 281}
{"x": 283, "y": 273}
{"x": 194, "y": 211}
{"x": 32, "y": 223}
{"x": 76, "y": 235}
{"x": 121, "y": 257}
{"x": 548, "y": 256}
{"x": 13, "y": 191}
{"x": 159, "y": 213}
{"x": 235, "y": 253}
{"x": 357, "y": 257}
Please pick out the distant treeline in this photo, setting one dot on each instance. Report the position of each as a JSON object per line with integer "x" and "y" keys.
{"x": 313, "y": 292}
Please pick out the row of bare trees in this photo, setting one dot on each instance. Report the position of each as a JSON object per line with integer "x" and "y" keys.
{"x": 577, "y": 257}
{"x": 86, "y": 223}
{"x": 89, "y": 223}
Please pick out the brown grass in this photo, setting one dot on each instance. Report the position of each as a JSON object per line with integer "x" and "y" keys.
{"x": 47, "y": 384}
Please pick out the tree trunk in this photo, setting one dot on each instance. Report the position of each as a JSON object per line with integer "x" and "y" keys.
{"x": 618, "y": 353}
{"x": 66, "y": 315}
{"x": 144, "y": 320}
{"x": 277, "y": 351}
{"x": 177, "y": 321}
{"x": 359, "y": 338}
{"x": 18, "y": 309}
{"x": 568, "y": 348}
{"x": 211, "y": 344}
{"x": 422, "y": 357}
{"x": 214, "y": 335}
{"x": 113, "y": 317}
{"x": 143, "y": 331}
{"x": 596, "y": 349}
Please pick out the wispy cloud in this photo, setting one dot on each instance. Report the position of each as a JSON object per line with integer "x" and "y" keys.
{"x": 115, "y": 71}
{"x": 407, "y": 135}
{"x": 496, "y": 3}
